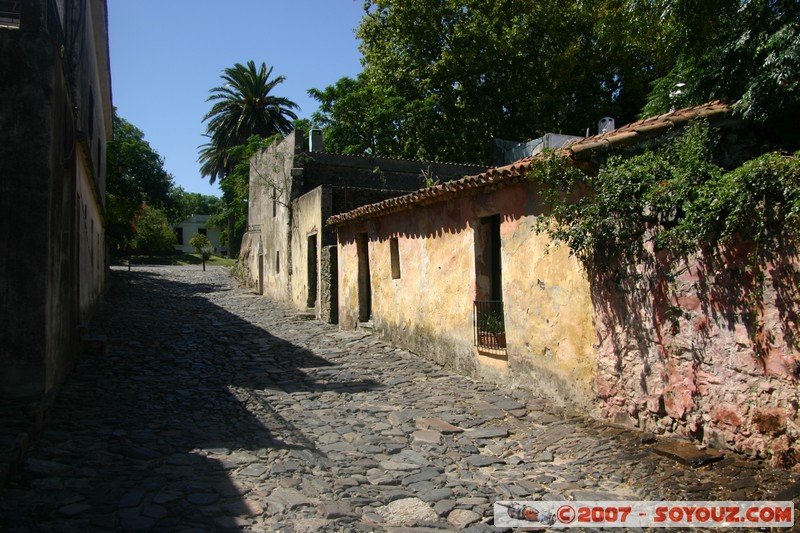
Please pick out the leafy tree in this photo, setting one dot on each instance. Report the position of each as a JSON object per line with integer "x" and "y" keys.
{"x": 193, "y": 203}
{"x": 242, "y": 107}
{"x": 153, "y": 232}
{"x": 303, "y": 124}
{"x": 136, "y": 176}
{"x": 443, "y": 78}
{"x": 747, "y": 51}
{"x": 202, "y": 246}
{"x": 353, "y": 128}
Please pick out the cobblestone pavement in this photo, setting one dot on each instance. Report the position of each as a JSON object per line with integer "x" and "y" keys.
{"x": 217, "y": 410}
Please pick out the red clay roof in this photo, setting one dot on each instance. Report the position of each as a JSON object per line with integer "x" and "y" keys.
{"x": 583, "y": 150}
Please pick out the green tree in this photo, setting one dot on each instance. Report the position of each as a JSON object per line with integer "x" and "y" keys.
{"x": 360, "y": 118}
{"x": 136, "y": 176}
{"x": 242, "y": 107}
{"x": 453, "y": 74}
{"x": 194, "y": 203}
{"x": 202, "y": 246}
{"x": 745, "y": 51}
{"x": 153, "y": 233}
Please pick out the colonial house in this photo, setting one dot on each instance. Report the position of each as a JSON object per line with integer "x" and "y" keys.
{"x": 56, "y": 119}
{"x": 288, "y": 253}
{"x": 459, "y": 273}
{"x": 186, "y": 229}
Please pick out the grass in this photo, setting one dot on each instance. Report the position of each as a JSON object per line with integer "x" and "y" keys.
{"x": 175, "y": 260}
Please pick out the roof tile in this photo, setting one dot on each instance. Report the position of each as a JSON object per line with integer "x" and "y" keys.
{"x": 581, "y": 150}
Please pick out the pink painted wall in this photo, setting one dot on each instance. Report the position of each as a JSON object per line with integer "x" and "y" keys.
{"x": 686, "y": 355}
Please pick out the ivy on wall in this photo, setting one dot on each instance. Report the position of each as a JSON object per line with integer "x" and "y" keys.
{"x": 675, "y": 193}
{"x": 677, "y": 197}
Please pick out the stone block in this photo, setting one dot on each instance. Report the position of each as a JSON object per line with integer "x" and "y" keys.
{"x": 687, "y": 453}
{"x": 407, "y": 512}
{"x": 427, "y": 436}
{"x": 439, "y": 425}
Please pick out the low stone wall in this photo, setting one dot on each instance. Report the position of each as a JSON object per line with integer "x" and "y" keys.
{"x": 328, "y": 287}
{"x": 704, "y": 348}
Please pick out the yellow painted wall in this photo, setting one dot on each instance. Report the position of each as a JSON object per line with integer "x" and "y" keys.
{"x": 548, "y": 308}
{"x": 307, "y": 220}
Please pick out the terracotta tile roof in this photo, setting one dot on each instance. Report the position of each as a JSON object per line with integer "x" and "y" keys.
{"x": 642, "y": 130}
{"x": 579, "y": 151}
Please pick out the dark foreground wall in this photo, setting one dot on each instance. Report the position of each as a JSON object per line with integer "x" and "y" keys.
{"x": 52, "y": 158}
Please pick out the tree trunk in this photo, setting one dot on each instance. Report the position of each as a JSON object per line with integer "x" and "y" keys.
{"x": 231, "y": 228}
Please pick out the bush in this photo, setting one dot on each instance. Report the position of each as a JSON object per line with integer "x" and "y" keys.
{"x": 153, "y": 232}
{"x": 202, "y": 245}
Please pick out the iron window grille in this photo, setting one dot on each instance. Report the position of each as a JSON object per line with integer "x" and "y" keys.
{"x": 490, "y": 325}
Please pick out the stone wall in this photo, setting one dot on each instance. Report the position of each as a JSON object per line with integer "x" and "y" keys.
{"x": 268, "y": 242}
{"x": 377, "y": 172}
{"x": 699, "y": 348}
{"x": 328, "y": 287}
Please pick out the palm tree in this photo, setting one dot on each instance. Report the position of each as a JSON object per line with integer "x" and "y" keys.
{"x": 242, "y": 107}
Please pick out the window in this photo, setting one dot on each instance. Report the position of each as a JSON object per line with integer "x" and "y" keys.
{"x": 489, "y": 317}
{"x": 277, "y": 262}
{"x": 99, "y": 159}
{"x": 394, "y": 251}
{"x": 179, "y": 235}
{"x": 488, "y": 266}
{"x": 202, "y": 231}
{"x": 274, "y": 201}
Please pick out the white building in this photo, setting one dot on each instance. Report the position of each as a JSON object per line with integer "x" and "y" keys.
{"x": 196, "y": 224}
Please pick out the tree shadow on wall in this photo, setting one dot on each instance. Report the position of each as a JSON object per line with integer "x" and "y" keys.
{"x": 657, "y": 310}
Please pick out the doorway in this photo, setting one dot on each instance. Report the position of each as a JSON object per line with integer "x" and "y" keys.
{"x": 311, "y": 254}
{"x": 364, "y": 282}
{"x": 488, "y": 263}
{"x": 489, "y": 315}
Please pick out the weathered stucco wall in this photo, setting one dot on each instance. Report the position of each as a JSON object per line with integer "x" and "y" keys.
{"x": 307, "y": 213}
{"x": 269, "y": 218}
{"x": 699, "y": 353}
{"x": 92, "y": 258}
{"x": 429, "y": 309}
{"x": 52, "y": 246}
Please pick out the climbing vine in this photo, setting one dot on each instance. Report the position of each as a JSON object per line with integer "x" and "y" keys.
{"x": 674, "y": 192}
{"x": 676, "y": 197}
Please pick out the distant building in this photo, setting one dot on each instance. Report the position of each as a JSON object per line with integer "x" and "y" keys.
{"x": 55, "y": 121}
{"x": 288, "y": 253}
{"x": 193, "y": 225}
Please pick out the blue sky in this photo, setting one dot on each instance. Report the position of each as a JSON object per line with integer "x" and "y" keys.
{"x": 167, "y": 54}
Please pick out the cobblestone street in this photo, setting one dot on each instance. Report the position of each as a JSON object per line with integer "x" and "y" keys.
{"x": 216, "y": 409}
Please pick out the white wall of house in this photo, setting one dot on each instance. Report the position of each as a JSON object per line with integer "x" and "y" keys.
{"x": 196, "y": 224}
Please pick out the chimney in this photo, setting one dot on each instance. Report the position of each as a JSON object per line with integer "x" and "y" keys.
{"x": 315, "y": 140}
{"x": 605, "y": 124}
